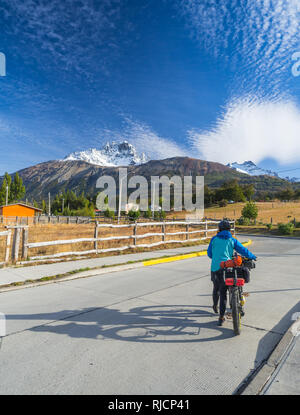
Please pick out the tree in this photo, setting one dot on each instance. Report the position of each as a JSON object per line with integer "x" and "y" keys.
{"x": 109, "y": 214}
{"x": 209, "y": 196}
{"x": 44, "y": 206}
{"x": 250, "y": 211}
{"x": 286, "y": 194}
{"x": 248, "y": 190}
{"x": 17, "y": 189}
{"x": 230, "y": 190}
{"x": 3, "y": 192}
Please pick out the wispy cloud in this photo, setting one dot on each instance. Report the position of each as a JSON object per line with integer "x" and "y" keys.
{"x": 252, "y": 131}
{"x": 66, "y": 33}
{"x": 256, "y": 37}
{"x": 255, "y": 40}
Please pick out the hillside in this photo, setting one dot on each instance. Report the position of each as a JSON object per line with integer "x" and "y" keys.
{"x": 57, "y": 176}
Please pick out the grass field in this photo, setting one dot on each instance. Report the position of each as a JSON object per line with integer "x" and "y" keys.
{"x": 278, "y": 211}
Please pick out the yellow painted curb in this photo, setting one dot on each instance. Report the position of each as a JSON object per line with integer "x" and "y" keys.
{"x": 181, "y": 257}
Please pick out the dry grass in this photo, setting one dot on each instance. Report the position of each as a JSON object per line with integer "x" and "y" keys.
{"x": 278, "y": 211}
{"x": 55, "y": 232}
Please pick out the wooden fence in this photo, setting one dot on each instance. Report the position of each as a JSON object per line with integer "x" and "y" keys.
{"x": 7, "y": 235}
{"x": 189, "y": 233}
{"x": 42, "y": 219}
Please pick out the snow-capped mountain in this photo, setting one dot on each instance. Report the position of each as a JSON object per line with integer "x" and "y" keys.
{"x": 250, "y": 168}
{"x": 111, "y": 155}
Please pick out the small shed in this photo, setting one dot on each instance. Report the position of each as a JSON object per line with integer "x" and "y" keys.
{"x": 19, "y": 209}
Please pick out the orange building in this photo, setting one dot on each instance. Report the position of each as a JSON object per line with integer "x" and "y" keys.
{"x": 19, "y": 209}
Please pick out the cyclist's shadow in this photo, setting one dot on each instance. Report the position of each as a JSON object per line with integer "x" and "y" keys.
{"x": 152, "y": 324}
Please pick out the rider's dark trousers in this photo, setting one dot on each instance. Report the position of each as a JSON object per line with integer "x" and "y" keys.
{"x": 219, "y": 291}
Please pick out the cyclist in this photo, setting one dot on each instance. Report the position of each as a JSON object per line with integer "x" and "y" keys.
{"x": 221, "y": 248}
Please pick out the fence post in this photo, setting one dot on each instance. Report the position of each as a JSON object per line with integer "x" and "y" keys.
{"x": 16, "y": 244}
{"x": 25, "y": 242}
{"x": 8, "y": 239}
{"x": 96, "y": 238}
{"x": 163, "y": 229}
{"x": 187, "y": 231}
{"x": 206, "y": 228}
{"x": 134, "y": 233}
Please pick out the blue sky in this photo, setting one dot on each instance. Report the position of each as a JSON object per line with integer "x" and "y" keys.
{"x": 210, "y": 79}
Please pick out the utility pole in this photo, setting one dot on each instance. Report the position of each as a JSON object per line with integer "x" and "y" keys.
{"x": 49, "y": 204}
{"x": 63, "y": 201}
{"x": 153, "y": 200}
{"x": 6, "y": 199}
{"x": 120, "y": 193}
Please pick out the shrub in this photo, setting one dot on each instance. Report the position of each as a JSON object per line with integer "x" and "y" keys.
{"x": 156, "y": 215}
{"x": 134, "y": 214}
{"x": 222, "y": 203}
{"x": 269, "y": 226}
{"x": 250, "y": 210}
{"x": 243, "y": 221}
{"x": 286, "y": 228}
{"x": 163, "y": 214}
{"x": 148, "y": 214}
{"x": 295, "y": 223}
{"x": 109, "y": 214}
{"x": 159, "y": 215}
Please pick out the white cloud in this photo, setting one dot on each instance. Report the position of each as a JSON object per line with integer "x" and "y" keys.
{"x": 252, "y": 130}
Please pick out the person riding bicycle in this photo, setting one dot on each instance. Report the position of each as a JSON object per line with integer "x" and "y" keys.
{"x": 221, "y": 248}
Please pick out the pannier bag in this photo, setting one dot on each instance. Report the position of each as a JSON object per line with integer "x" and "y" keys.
{"x": 242, "y": 272}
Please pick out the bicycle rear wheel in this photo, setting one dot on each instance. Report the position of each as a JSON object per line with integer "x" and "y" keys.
{"x": 236, "y": 313}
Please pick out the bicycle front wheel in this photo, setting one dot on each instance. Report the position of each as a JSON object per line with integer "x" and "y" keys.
{"x": 236, "y": 312}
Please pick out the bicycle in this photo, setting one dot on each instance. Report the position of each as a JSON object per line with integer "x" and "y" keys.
{"x": 235, "y": 276}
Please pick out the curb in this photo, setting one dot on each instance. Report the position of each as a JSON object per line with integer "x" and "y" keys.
{"x": 180, "y": 257}
{"x": 107, "y": 270}
{"x": 295, "y": 238}
{"x": 261, "y": 378}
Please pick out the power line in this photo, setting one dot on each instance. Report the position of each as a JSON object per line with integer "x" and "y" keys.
{"x": 283, "y": 171}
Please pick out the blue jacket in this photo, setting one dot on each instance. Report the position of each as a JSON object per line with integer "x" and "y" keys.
{"x": 221, "y": 248}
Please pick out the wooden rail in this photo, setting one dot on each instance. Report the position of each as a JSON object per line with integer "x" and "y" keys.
{"x": 132, "y": 239}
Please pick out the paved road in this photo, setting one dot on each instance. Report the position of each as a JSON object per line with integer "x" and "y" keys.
{"x": 145, "y": 331}
{"x": 286, "y": 378}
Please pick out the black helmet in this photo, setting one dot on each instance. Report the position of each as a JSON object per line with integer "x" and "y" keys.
{"x": 224, "y": 225}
